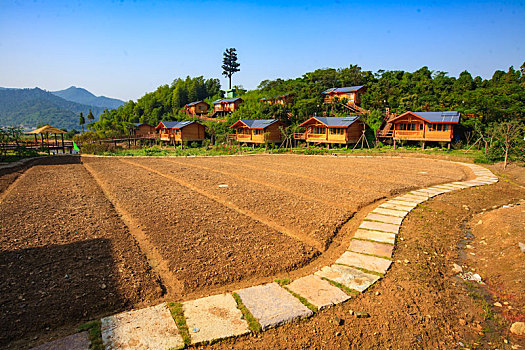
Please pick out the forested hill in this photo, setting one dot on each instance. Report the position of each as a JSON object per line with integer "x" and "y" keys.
{"x": 499, "y": 98}
{"x": 82, "y": 96}
{"x": 32, "y": 107}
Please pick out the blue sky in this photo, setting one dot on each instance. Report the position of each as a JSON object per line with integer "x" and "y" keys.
{"x": 124, "y": 49}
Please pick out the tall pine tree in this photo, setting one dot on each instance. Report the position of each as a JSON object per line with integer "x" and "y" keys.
{"x": 230, "y": 64}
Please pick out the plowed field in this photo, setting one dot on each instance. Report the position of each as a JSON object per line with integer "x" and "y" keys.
{"x": 83, "y": 238}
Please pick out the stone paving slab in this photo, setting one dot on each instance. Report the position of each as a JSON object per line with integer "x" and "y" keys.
{"x": 348, "y": 277}
{"x": 149, "y": 328}
{"x": 389, "y": 205}
{"x": 431, "y": 192}
{"x": 420, "y": 198}
{"x": 392, "y": 212}
{"x": 443, "y": 190}
{"x": 368, "y": 247}
{"x": 369, "y": 262}
{"x": 406, "y": 198}
{"x": 77, "y": 341}
{"x": 378, "y": 236}
{"x": 412, "y": 205}
{"x": 379, "y": 226}
{"x": 214, "y": 317}
{"x": 385, "y": 218}
{"x": 420, "y": 193}
{"x": 271, "y": 305}
{"x": 318, "y": 291}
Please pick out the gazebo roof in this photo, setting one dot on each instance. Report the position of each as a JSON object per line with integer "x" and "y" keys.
{"x": 47, "y": 129}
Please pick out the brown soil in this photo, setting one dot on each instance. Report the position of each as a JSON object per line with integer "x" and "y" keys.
{"x": 66, "y": 257}
{"x": 421, "y": 303}
{"x": 128, "y": 230}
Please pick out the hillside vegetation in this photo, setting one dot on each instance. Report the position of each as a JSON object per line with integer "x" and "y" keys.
{"x": 502, "y": 97}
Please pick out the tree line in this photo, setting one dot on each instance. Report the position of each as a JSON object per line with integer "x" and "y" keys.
{"x": 500, "y": 98}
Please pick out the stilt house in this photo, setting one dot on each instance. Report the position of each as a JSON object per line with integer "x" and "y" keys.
{"x": 352, "y": 94}
{"x": 197, "y": 108}
{"x": 342, "y": 130}
{"x": 424, "y": 126}
{"x": 257, "y": 131}
{"x": 180, "y": 131}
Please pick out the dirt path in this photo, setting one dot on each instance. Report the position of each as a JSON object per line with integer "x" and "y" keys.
{"x": 170, "y": 283}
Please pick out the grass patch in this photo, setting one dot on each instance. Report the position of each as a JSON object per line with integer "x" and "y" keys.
{"x": 94, "y": 334}
{"x": 475, "y": 293}
{"x": 282, "y": 282}
{"x": 178, "y": 315}
{"x": 254, "y": 325}
{"x": 340, "y": 286}
{"x": 302, "y": 300}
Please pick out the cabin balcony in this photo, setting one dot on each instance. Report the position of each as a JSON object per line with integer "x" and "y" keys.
{"x": 299, "y": 136}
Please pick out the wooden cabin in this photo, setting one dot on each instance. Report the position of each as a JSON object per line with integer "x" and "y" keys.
{"x": 342, "y": 130}
{"x": 226, "y": 105}
{"x": 196, "y": 108}
{"x": 257, "y": 131}
{"x": 424, "y": 126}
{"x": 174, "y": 132}
{"x": 283, "y": 100}
{"x": 352, "y": 94}
{"x": 143, "y": 130}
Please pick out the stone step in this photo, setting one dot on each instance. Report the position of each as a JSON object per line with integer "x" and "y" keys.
{"x": 384, "y": 218}
{"x": 368, "y": 247}
{"x": 389, "y": 205}
{"x": 271, "y": 305}
{"x": 378, "y": 236}
{"x": 419, "y": 193}
{"x": 348, "y": 277}
{"x": 149, "y": 328}
{"x": 405, "y": 203}
{"x": 214, "y": 317}
{"x": 392, "y": 212}
{"x": 379, "y": 226}
{"x": 368, "y": 262}
{"x": 317, "y": 291}
{"x": 414, "y": 197}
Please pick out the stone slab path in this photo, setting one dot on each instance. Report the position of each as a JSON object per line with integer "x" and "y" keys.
{"x": 272, "y": 305}
{"x": 317, "y": 291}
{"x": 215, "y": 317}
{"x": 149, "y": 328}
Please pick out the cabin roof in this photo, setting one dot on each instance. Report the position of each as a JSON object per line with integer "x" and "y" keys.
{"x": 343, "y": 89}
{"x": 47, "y": 129}
{"x": 333, "y": 122}
{"x": 256, "y": 123}
{"x": 435, "y": 117}
{"x": 139, "y": 124}
{"x": 175, "y": 125}
{"x": 226, "y": 100}
{"x": 193, "y": 103}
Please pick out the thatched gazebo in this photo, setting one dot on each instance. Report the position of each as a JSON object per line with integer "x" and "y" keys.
{"x": 44, "y": 132}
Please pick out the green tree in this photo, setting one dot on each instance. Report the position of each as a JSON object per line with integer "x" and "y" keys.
{"x": 509, "y": 134}
{"x": 82, "y": 121}
{"x": 230, "y": 64}
{"x": 90, "y": 116}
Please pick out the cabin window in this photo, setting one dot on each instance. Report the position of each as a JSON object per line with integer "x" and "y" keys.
{"x": 438, "y": 127}
{"x": 201, "y": 107}
{"x": 258, "y": 131}
{"x": 337, "y": 131}
{"x": 318, "y": 130}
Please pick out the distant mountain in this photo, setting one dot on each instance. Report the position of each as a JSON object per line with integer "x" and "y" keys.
{"x": 82, "y": 96}
{"x": 32, "y": 107}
